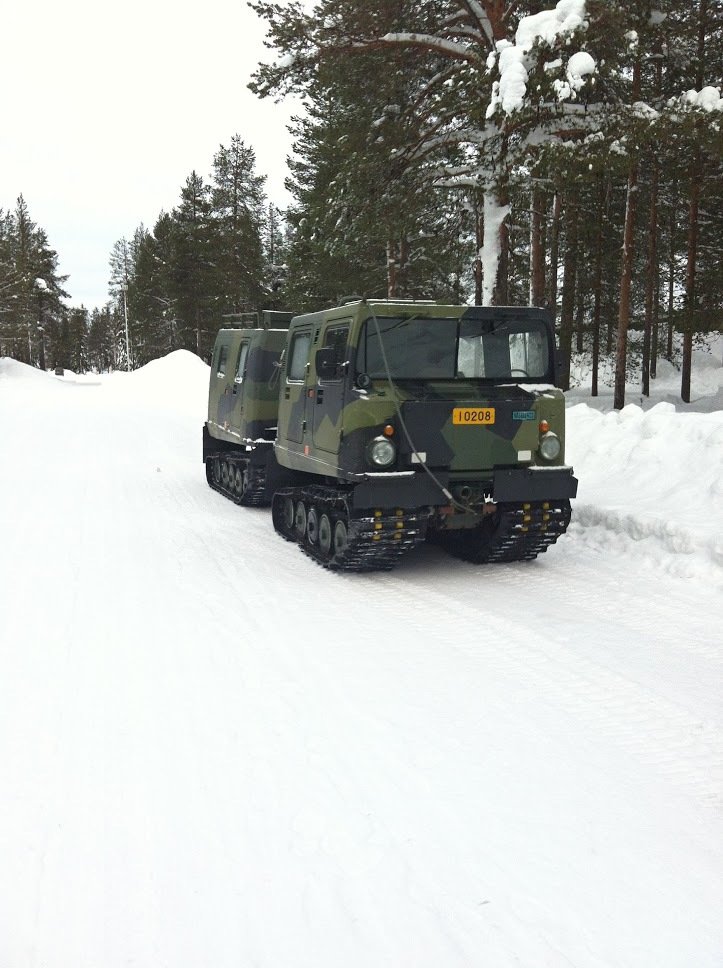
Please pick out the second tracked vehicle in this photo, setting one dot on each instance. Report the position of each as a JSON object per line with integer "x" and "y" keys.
{"x": 243, "y": 408}
{"x": 387, "y": 423}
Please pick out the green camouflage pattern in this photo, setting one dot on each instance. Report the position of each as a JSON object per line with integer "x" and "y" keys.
{"x": 325, "y": 425}
{"x": 243, "y": 404}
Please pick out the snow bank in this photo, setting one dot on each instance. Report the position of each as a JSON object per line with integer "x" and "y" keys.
{"x": 14, "y": 371}
{"x": 647, "y": 476}
{"x": 168, "y": 371}
{"x": 651, "y": 475}
{"x": 177, "y": 381}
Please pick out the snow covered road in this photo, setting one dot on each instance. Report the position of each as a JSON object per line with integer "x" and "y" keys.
{"x": 214, "y": 753}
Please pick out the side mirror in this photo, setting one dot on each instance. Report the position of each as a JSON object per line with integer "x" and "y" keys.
{"x": 327, "y": 367}
{"x": 560, "y": 367}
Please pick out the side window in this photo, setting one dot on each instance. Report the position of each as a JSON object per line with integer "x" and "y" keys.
{"x": 298, "y": 356}
{"x": 241, "y": 365}
{"x": 336, "y": 337}
{"x": 222, "y": 361}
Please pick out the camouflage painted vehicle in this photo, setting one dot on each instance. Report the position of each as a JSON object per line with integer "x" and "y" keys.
{"x": 405, "y": 421}
{"x": 243, "y": 406}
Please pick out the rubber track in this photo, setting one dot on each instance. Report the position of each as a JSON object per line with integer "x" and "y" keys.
{"x": 254, "y": 495}
{"x": 376, "y": 539}
{"x": 519, "y": 532}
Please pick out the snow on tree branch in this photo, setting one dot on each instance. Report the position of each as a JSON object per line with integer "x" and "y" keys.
{"x": 481, "y": 19}
{"x": 448, "y": 47}
{"x": 515, "y": 59}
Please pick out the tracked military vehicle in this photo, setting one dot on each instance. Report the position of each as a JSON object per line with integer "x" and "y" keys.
{"x": 404, "y": 421}
{"x": 243, "y": 406}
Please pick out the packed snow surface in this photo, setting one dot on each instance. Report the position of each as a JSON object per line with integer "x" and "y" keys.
{"x": 215, "y": 753}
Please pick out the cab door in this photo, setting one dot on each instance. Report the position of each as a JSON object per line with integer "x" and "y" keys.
{"x": 219, "y": 398}
{"x": 327, "y": 404}
{"x": 292, "y": 405}
{"x": 236, "y": 388}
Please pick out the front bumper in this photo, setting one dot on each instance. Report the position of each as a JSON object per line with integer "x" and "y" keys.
{"x": 533, "y": 484}
{"x": 408, "y": 489}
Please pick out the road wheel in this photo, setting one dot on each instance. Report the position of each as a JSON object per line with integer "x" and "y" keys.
{"x": 240, "y": 482}
{"x": 224, "y": 473}
{"x": 341, "y": 537}
{"x": 217, "y": 470}
{"x": 287, "y": 514}
{"x": 325, "y": 534}
{"x": 312, "y": 527}
{"x": 300, "y": 520}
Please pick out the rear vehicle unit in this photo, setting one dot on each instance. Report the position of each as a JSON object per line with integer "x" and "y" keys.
{"x": 238, "y": 437}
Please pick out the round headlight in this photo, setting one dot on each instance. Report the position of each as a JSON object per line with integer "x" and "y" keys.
{"x": 381, "y": 452}
{"x": 550, "y": 446}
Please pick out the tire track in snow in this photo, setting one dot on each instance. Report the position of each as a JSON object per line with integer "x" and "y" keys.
{"x": 664, "y": 736}
{"x": 658, "y": 538}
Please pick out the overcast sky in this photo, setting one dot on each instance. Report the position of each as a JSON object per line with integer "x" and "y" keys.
{"x": 106, "y": 109}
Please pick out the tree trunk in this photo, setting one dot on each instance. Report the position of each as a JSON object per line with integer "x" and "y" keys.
{"x": 671, "y": 272}
{"x": 554, "y": 255}
{"x": 580, "y": 318}
{"x": 651, "y": 280}
{"x": 494, "y": 248}
{"x": 655, "y": 347}
{"x": 404, "y": 250}
{"x": 568, "y": 289}
{"x": 501, "y": 296}
{"x": 626, "y": 276}
{"x": 392, "y": 274}
{"x": 537, "y": 249}
{"x": 610, "y": 298}
{"x": 696, "y": 174}
{"x": 690, "y": 297}
{"x": 653, "y": 252}
{"x": 479, "y": 241}
{"x": 597, "y": 297}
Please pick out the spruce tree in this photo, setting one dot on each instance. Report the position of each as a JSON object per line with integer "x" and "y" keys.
{"x": 31, "y": 290}
{"x": 238, "y": 203}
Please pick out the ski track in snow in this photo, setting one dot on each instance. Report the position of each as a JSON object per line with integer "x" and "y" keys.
{"x": 216, "y": 753}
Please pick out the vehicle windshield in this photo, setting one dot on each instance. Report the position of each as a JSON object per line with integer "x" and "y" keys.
{"x": 419, "y": 348}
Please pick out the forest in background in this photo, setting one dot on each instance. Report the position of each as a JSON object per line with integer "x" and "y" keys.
{"x": 510, "y": 153}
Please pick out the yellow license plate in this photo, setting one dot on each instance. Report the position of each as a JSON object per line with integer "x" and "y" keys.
{"x": 473, "y": 416}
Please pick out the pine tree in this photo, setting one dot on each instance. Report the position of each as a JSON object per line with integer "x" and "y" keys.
{"x": 367, "y": 216}
{"x": 78, "y": 339}
{"x": 30, "y": 287}
{"x": 237, "y": 200}
{"x": 195, "y": 273}
{"x": 455, "y": 121}
{"x": 100, "y": 340}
